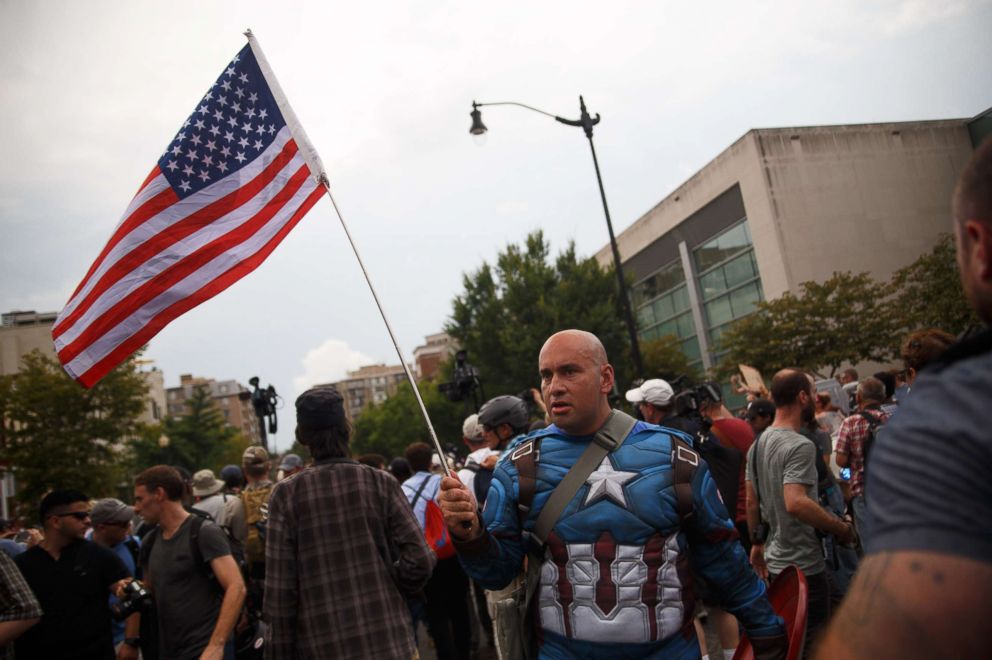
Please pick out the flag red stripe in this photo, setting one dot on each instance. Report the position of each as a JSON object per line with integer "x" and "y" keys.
{"x": 175, "y": 233}
{"x": 92, "y": 375}
{"x": 181, "y": 269}
{"x": 151, "y": 207}
{"x": 151, "y": 175}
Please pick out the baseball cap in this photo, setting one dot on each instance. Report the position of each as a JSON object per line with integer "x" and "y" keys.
{"x": 254, "y": 455}
{"x": 760, "y": 408}
{"x": 110, "y": 510}
{"x": 291, "y": 462}
{"x": 320, "y": 408}
{"x": 655, "y": 390}
{"x": 472, "y": 429}
{"x": 206, "y": 484}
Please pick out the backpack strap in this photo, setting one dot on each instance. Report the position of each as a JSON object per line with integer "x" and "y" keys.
{"x": 525, "y": 459}
{"x": 420, "y": 490}
{"x": 685, "y": 460}
{"x": 607, "y": 439}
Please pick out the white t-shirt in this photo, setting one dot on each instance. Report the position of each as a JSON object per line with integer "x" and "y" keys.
{"x": 476, "y": 457}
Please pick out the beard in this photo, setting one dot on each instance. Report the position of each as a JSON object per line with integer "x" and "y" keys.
{"x": 809, "y": 413}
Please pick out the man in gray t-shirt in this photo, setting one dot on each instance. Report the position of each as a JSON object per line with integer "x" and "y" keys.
{"x": 781, "y": 492}
{"x": 785, "y": 457}
{"x": 187, "y": 599}
{"x": 197, "y": 586}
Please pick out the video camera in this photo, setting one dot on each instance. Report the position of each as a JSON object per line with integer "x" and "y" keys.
{"x": 264, "y": 401}
{"x": 689, "y": 401}
{"x": 464, "y": 381}
{"x": 134, "y": 599}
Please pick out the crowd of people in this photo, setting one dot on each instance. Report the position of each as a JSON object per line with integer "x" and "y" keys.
{"x": 575, "y": 530}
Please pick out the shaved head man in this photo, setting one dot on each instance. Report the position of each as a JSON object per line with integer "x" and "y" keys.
{"x": 575, "y": 381}
{"x": 632, "y": 508}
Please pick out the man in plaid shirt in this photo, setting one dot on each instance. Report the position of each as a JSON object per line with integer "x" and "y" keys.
{"x": 342, "y": 550}
{"x": 850, "y": 449}
{"x": 19, "y": 609}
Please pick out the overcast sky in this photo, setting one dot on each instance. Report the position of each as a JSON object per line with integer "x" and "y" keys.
{"x": 93, "y": 92}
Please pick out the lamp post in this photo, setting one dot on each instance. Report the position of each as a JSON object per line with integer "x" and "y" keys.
{"x": 586, "y": 122}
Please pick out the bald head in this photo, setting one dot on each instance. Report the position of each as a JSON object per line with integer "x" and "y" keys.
{"x": 576, "y": 380}
{"x": 581, "y": 342}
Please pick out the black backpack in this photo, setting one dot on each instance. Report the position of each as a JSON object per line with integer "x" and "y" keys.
{"x": 480, "y": 485}
{"x": 874, "y": 425}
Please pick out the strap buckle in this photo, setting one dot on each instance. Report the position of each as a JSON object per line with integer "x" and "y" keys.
{"x": 687, "y": 456}
{"x": 523, "y": 450}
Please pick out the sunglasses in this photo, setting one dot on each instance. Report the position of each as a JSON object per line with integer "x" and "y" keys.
{"x": 78, "y": 515}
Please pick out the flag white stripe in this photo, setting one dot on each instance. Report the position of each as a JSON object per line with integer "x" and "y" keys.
{"x": 176, "y": 213}
{"x": 195, "y": 281}
{"x": 176, "y": 252}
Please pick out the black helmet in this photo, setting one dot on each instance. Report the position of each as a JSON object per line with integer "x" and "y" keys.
{"x": 505, "y": 410}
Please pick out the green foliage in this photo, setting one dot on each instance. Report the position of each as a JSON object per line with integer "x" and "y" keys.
{"x": 389, "y": 427}
{"x": 845, "y": 319}
{"x": 929, "y": 293}
{"x": 199, "y": 439}
{"x": 507, "y": 311}
{"x": 663, "y": 358}
{"x": 57, "y": 434}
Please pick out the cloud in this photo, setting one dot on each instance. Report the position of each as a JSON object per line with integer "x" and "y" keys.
{"x": 328, "y": 363}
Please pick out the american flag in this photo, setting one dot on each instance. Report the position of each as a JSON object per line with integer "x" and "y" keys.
{"x": 237, "y": 177}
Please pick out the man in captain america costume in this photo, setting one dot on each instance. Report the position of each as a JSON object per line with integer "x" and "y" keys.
{"x": 616, "y": 578}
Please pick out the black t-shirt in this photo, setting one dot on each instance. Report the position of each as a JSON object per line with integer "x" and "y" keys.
{"x": 73, "y": 594}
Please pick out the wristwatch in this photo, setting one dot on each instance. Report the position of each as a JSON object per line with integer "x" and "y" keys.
{"x": 133, "y": 642}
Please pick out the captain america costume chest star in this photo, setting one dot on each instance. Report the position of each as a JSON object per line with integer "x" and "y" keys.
{"x": 615, "y": 567}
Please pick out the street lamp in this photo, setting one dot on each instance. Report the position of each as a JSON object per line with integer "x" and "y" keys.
{"x": 586, "y": 122}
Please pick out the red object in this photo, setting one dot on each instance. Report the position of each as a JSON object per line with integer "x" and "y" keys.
{"x": 436, "y": 532}
{"x": 788, "y": 595}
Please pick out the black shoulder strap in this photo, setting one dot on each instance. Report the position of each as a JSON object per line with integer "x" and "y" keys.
{"x": 420, "y": 490}
{"x": 874, "y": 421}
{"x": 147, "y": 544}
{"x": 525, "y": 458}
{"x": 194, "y": 545}
{"x": 685, "y": 460}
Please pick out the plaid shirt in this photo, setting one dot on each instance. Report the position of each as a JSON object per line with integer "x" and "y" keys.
{"x": 850, "y": 441}
{"x": 342, "y": 549}
{"x": 17, "y": 601}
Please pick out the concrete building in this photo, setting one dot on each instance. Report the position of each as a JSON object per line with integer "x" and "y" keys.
{"x": 155, "y": 403}
{"x": 784, "y": 206}
{"x": 429, "y": 357}
{"x": 367, "y": 385}
{"x": 230, "y": 398}
{"x": 21, "y": 333}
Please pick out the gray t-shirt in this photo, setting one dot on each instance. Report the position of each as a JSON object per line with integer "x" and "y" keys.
{"x": 186, "y": 598}
{"x": 785, "y": 457}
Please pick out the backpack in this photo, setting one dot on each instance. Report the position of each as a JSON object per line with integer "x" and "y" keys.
{"x": 480, "y": 485}
{"x": 256, "y": 503}
{"x": 874, "y": 424}
{"x": 435, "y": 530}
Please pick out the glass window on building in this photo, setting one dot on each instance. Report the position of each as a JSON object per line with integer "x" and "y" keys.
{"x": 729, "y": 284}
{"x": 662, "y": 301}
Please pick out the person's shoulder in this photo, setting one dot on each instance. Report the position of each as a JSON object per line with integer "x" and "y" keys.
{"x": 29, "y": 558}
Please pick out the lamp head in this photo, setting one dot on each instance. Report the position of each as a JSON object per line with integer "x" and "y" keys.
{"x": 478, "y": 128}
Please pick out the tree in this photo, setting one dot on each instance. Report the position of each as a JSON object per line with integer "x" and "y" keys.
{"x": 928, "y": 292}
{"x": 199, "y": 439}
{"x": 58, "y": 434}
{"x": 389, "y": 427}
{"x": 663, "y": 358}
{"x": 846, "y": 319}
{"x": 507, "y": 311}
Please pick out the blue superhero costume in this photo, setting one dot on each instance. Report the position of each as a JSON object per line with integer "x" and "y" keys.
{"x": 616, "y": 579}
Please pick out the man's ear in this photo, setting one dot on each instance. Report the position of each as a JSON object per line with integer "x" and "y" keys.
{"x": 607, "y": 376}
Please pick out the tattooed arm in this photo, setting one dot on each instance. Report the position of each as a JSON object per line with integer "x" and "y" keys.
{"x": 913, "y": 604}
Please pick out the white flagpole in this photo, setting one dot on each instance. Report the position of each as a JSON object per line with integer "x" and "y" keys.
{"x": 317, "y": 169}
